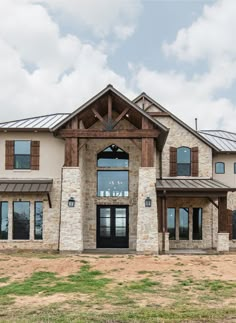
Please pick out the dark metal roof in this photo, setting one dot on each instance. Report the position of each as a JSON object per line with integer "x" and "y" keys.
{"x": 223, "y": 140}
{"x": 191, "y": 185}
{"x": 40, "y": 123}
{"x": 26, "y": 185}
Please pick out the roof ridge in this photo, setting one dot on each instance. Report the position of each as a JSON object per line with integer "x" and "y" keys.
{"x": 234, "y": 140}
{"x": 233, "y": 133}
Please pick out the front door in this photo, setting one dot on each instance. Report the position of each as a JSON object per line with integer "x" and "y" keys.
{"x": 112, "y": 226}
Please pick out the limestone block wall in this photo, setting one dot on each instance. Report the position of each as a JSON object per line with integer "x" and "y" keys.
{"x": 209, "y": 223}
{"x": 89, "y": 190}
{"x": 147, "y": 226}
{"x": 51, "y": 218}
{"x": 71, "y": 226}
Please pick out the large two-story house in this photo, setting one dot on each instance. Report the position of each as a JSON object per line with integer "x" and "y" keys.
{"x": 116, "y": 173}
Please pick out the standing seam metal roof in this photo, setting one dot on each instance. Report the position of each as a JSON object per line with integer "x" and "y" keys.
{"x": 223, "y": 140}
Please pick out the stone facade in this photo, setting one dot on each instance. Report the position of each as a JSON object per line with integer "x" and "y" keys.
{"x": 71, "y": 224}
{"x": 147, "y": 226}
{"x": 223, "y": 242}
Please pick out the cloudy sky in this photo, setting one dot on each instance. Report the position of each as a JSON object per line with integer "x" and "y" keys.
{"x": 56, "y": 54}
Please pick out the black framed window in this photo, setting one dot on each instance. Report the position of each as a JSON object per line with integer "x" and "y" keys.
{"x": 113, "y": 178}
{"x": 22, "y": 154}
{"x": 3, "y": 220}
{"x": 184, "y": 223}
{"x": 38, "y": 220}
{"x": 219, "y": 168}
{"x": 113, "y": 183}
{"x": 234, "y": 225}
{"x": 197, "y": 223}
{"x": 234, "y": 168}
{"x": 183, "y": 161}
{"x": 171, "y": 223}
{"x": 21, "y": 220}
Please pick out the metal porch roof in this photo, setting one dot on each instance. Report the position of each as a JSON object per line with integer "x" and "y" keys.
{"x": 25, "y": 185}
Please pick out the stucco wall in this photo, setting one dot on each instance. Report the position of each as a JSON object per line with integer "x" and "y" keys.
{"x": 228, "y": 178}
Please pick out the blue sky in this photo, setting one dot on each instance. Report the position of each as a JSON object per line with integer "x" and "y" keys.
{"x": 56, "y": 54}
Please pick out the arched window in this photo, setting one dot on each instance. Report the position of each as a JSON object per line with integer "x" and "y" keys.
{"x": 113, "y": 174}
{"x": 183, "y": 161}
{"x": 219, "y": 168}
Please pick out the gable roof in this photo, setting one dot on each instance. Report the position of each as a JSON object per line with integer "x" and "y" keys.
{"x": 171, "y": 115}
{"x": 105, "y": 91}
{"x": 225, "y": 141}
{"x": 40, "y": 123}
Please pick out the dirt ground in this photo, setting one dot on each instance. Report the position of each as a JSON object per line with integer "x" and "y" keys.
{"x": 121, "y": 268}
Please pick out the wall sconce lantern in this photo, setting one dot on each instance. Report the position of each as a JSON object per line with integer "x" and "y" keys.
{"x": 71, "y": 202}
{"x": 148, "y": 202}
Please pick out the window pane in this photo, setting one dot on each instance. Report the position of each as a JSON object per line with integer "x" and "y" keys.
{"x": 22, "y": 147}
{"x": 105, "y": 232}
{"x": 171, "y": 223}
{"x": 21, "y": 220}
{"x": 112, "y": 183}
{"x": 184, "y": 155}
{"x": 183, "y": 223}
{"x": 22, "y": 162}
{"x": 197, "y": 223}
{"x": 38, "y": 221}
{"x": 113, "y": 156}
{"x": 120, "y": 232}
{"x": 220, "y": 168}
{"x": 4, "y": 220}
{"x": 234, "y": 225}
{"x": 234, "y": 168}
{"x": 183, "y": 169}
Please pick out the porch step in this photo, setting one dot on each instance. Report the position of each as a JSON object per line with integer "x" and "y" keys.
{"x": 115, "y": 251}
{"x": 188, "y": 252}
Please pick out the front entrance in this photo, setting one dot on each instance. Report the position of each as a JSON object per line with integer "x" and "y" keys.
{"x": 112, "y": 226}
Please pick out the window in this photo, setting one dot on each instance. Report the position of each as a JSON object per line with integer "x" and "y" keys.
{"x": 234, "y": 225}
{"x": 3, "y": 220}
{"x": 171, "y": 223}
{"x": 113, "y": 178}
{"x": 219, "y": 168}
{"x": 21, "y": 220}
{"x": 22, "y": 152}
{"x": 38, "y": 220}
{"x": 197, "y": 223}
{"x": 183, "y": 161}
{"x": 183, "y": 224}
{"x": 234, "y": 168}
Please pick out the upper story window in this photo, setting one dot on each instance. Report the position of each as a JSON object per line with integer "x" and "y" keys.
{"x": 183, "y": 161}
{"x": 234, "y": 168}
{"x": 112, "y": 173}
{"x": 22, "y": 154}
{"x": 219, "y": 168}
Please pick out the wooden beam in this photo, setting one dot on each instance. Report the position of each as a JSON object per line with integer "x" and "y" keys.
{"x": 216, "y": 205}
{"x": 158, "y": 114}
{"x": 74, "y": 144}
{"x": 120, "y": 116}
{"x": 136, "y": 144}
{"x": 222, "y": 215}
{"x": 147, "y": 159}
{"x": 97, "y": 114}
{"x": 109, "y": 114}
{"x": 95, "y": 133}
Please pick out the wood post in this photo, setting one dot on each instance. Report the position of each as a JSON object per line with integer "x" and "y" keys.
{"x": 147, "y": 146}
{"x": 222, "y": 215}
{"x": 71, "y": 147}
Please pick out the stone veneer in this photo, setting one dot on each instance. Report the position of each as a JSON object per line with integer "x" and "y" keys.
{"x": 71, "y": 226}
{"x": 147, "y": 226}
{"x": 222, "y": 242}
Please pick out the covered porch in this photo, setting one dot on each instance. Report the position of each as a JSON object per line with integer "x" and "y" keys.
{"x": 193, "y": 214}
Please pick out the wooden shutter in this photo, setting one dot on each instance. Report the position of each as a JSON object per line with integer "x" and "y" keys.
{"x": 173, "y": 161}
{"x": 35, "y": 147}
{"x": 194, "y": 161}
{"x": 229, "y": 222}
{"x": 9, "y": 154}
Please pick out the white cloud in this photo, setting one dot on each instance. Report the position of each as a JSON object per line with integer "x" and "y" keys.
{"x": 209, "y": 38}
{"x": 103, "y": 17}
{"x": 65, "y": 73}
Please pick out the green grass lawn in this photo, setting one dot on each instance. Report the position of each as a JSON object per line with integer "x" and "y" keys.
{"x": 98, "y": 298}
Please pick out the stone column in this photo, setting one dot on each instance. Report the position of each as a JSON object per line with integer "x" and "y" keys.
{"x": 71, "y": 227}
{"x": 147, "y": 228}
{"x": 222, "y": 242}
{"x": 223, "y": 234}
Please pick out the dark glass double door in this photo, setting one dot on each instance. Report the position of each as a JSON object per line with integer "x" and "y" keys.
{"x": 112, "y": 226}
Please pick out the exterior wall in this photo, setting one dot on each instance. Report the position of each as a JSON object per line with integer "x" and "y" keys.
{"x": 228, "y": 178}
{"x": 51, "y": 161}
{"x": 50, "y": 221}
{"x": 209, "y": 223}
